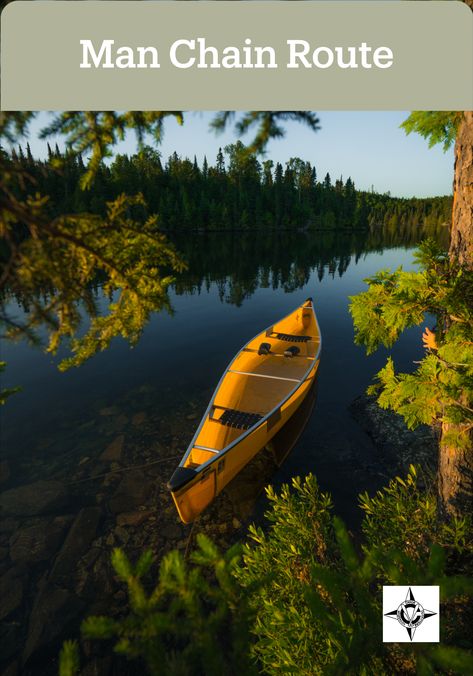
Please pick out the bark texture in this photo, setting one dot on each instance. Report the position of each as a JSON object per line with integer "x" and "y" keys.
{"x": 455, "y": 475}
{"x": 461, "y": 237}
{"x": 456, "y": 464}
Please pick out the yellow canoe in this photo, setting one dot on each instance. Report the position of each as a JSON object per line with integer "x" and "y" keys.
{"x": 260, "y": 390}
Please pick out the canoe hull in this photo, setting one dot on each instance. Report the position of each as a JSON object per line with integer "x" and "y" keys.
{"x": 195, "y": 495}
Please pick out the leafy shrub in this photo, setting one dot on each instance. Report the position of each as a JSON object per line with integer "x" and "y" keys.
{"x": 298, "y": 598}
{"x": 318, "y": 603}
{"x": 195, "y": 621}
{"x": 406, "y": 517}
{"x": 279, "y": 563}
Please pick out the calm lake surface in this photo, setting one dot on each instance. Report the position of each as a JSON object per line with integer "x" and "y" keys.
{"x": 237, "y": 284}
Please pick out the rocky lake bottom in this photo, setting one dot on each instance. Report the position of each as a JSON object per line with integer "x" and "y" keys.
{"x": 100, "y": 483}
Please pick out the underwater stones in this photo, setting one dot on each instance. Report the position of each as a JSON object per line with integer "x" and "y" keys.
{"x": 118, "y": 423}
{"x": 97, "y": 667}
{"x": 8, "y": 525}
{"x": 133, "y": 518}
{"x": 37, "y": 542}
{"x": 113, "y": 452}
{"x": 131, "y": 492}
{"x": 397, "y": 446}
{"x": 78, "y": 540}
{"x": 53, "y": 610}
{"x": 40, "y": 497}
{"x": 4, "y": 471}
{"x": 109, "y": 410}
{"x": 170, "y": 531}
{"x": 11, "y": 642}
{"x": 110, "y": 540}
{"x": 12, "y": 587}
{"x": 122, "y": 534}
{"x": 139, "y": 418}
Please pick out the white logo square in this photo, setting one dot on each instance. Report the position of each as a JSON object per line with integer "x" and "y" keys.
{"x": 411, "y": 614}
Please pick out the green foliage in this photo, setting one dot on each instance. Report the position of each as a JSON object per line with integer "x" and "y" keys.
{"x": 440, "y": 389}
{"x": 194, "y": 620}
{"x": 47, "y": 250}
{"x": 69, "y": 659}
{"x": 326, "y": 620}
{"x": 318, "y": 608}
{"x": 436, "y": 126}
{"x": 405, "y": 516}
{"x": 7, "y": 391}
{"x": 66, "y": 257}
{"x": 95, "y": 132}
{"x": 301, "y": 599}
{"x": 267, "y": 124}
{"x": 237, "y": 192}
{"x": 278, "y": 563}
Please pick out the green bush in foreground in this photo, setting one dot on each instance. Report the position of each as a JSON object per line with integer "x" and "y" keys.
{"x": 298, "y": 598}
{"x": 405, "y": 516}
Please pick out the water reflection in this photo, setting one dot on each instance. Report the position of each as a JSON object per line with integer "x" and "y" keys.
{"x": 110, "y": 433}
{"x": 239, "y": 263}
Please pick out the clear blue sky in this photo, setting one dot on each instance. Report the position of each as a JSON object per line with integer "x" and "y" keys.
{"x": 368, "y": 146}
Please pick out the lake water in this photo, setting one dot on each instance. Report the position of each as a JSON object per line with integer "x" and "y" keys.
{"x": 236, "y": 285}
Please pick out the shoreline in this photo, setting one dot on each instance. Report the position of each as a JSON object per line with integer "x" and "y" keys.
{"x": 56, "y": 560}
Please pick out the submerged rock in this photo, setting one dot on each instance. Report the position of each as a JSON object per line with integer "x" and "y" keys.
{"x": 113, "y": 452}
{"x": 170, "y": 531}
{"x": 12, "y": 587}
{"x": 40, "y": 497}
{"x": 8, "y": 525}
{"x": 4, "y": 471}
{"x": 131, "y": 493}
{"x": 139, "y": 418}
{"x": 133, "y": 518}
{"x": 398, "y": 445}
{"x": 109, "y": 410}
{"x": 37, "y": 542}
{"x": 97, "y": 667}
{"x": 78, "y": 540}
{"x": 54, "y": 609}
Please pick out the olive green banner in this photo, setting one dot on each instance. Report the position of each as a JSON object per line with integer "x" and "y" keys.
{"x": 236, "y": 55}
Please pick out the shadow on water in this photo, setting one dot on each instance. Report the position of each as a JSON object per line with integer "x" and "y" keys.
{"x": 248, "y": 486}
{"x": 86, "y": 454}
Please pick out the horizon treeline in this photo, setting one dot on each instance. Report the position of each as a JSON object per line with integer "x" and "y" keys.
{"x": 237, "y": 192}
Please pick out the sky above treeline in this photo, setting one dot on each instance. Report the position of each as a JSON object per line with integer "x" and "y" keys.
{"x": 369, "y": 147}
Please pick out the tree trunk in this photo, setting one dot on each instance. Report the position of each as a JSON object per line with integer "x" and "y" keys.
{"x": 455, "y": 474}
{"x": 461, "y": 235}
{"x": 456, "y": 463}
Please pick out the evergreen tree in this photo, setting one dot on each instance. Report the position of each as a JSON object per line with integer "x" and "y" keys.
{"x": 440, "y": 390}
{"x": 220, "y": 162}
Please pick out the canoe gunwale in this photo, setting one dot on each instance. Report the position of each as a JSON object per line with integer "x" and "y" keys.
{"x": 264, "y": 419}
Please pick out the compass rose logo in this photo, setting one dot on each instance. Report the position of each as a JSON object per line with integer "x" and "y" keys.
{"x": 411, "y": 614}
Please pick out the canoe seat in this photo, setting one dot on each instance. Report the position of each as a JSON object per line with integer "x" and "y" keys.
{"x": 293, "y": 339}
{"x": 239, "y": 419}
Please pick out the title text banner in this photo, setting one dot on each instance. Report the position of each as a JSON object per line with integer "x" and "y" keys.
{"x": 237, "y": 55}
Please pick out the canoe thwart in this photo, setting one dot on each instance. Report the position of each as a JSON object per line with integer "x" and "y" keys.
{"x": 206, "y": 448}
